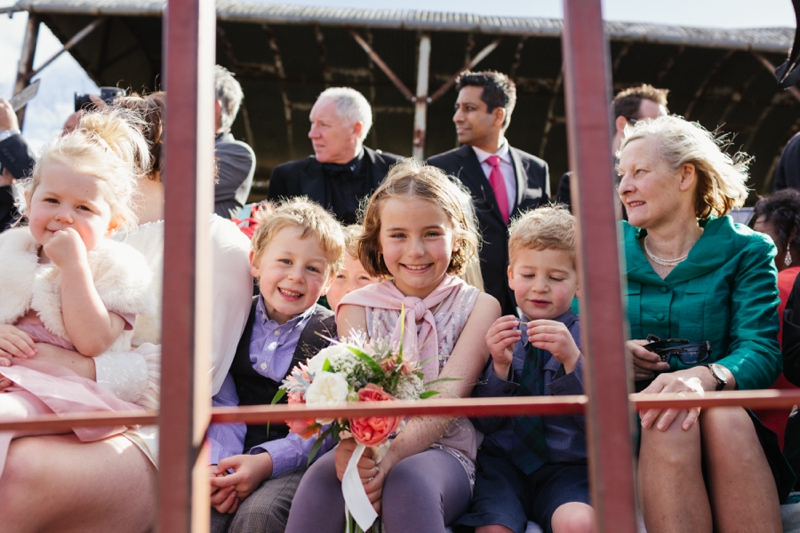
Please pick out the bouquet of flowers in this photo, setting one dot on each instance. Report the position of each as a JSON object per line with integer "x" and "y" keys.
{"x": 355, "y": 370}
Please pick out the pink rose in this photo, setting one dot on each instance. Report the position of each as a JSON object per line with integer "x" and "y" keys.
{"x": 373, "y": 430}
{"x": 307, "y": 427}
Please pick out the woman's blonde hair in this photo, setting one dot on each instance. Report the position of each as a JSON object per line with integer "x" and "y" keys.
{"x": 150, "y": 107}
{"x": 721, "y": 179}
{"x": 108, "y": 145}
{"x": 410, "y": 178}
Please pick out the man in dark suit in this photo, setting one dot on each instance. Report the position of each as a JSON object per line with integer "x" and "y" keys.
{"x": 16, "y": 162}
{"x": 342, "y": 170}
{"x": 236, "y": 162}
{"x": 502, "y": 180}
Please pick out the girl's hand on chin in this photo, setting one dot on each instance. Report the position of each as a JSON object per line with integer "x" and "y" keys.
{"x": 65, "y": 248}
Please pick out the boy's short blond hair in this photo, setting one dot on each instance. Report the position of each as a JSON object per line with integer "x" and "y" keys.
{"x": 548, "y": 227}
{"x": 302, "y": 213}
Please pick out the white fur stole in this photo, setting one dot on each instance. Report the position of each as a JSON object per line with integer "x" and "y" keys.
{"x": 120, "y": 273}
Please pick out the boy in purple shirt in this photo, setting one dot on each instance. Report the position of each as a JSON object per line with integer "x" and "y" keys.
{"x": 297, "y": 250}
{"x": 534, "y": 468}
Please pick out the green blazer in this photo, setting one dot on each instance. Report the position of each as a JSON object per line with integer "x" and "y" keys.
{"x": 725, "y": 292}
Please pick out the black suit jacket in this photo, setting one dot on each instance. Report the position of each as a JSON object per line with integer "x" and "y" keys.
{"x": 790, "y": 345}
{"x": 19, "y": 160}
{"x": 533, "y": 189}
{"x": 788, "y": 172}
{"x": 306, "y": 177}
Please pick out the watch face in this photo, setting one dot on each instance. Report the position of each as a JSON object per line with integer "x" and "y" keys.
{"x": 719, "y": 375}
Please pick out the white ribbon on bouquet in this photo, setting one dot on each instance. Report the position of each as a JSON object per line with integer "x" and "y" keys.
{"x": 355, "y": 497}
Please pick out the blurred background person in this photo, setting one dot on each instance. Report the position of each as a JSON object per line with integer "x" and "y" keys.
{"x": 236, "y": 162}
{"x": 778, "y": 215}
{"x": 629, "y": 106}
{"x": 16, "y": 162}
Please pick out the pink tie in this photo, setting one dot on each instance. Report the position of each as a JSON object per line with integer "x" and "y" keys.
{"x": 498, "y": 183}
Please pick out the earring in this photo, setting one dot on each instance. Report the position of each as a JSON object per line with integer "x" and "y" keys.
{"x": 787, "y": 259}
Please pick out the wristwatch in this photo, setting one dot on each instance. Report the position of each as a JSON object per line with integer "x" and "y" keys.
{"x": 5, "y": 134}
{"x": 719, "y": 374}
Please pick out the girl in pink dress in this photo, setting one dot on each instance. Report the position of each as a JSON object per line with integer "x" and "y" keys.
{"x": 416, "y": 231}
{"x": 64, "y": 281}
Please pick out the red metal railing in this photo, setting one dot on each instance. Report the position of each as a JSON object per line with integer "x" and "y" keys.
{"x": 560, "y": 405}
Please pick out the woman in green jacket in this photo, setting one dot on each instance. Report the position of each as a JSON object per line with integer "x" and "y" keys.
{"x": 695, "y": 275}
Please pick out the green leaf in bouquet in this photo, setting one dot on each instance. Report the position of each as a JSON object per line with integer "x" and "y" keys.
{"x": 428, "y": 394}
{"x": 317, "y": 444}
{"x": 275, "y": 399}
{"x": 278, "y": 396}
{"x": 371, "y": 363}
{"x": 326, "y": 366}
{"x": 402, "y": 327}
{"x": 358, "y": 351}
{"x": 441, "y": 380}
{"x": 426, "y": 360}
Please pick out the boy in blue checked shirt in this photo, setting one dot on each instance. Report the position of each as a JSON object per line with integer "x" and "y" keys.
{"x": 534, "y": 468}
{"x": 297, "y": 250}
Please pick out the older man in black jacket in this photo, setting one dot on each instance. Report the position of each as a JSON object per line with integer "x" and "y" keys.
{"x": 342, "y": 170}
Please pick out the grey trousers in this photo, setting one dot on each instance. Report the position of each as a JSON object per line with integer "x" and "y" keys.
{"x": 266, "y": 510}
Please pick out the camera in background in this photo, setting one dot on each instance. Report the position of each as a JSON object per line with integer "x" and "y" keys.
{"x": 107, "y": 94}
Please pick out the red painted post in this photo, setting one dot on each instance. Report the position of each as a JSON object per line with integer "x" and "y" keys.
{"x": 189, "y": 46}
{"x": 609, "y": 420}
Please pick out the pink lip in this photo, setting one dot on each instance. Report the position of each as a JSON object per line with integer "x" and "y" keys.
{"x": 539, "y": 303}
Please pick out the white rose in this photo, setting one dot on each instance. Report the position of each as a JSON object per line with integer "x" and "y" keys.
{"x": 316, "y": 363}
{"x": 327, "y": 390}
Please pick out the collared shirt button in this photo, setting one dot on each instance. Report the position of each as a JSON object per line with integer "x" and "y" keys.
{"x": 277, "y": 333}
{"x": 664, "y": 289}
{"x": 263, "y": 366}
{"x": 660, "y": 316}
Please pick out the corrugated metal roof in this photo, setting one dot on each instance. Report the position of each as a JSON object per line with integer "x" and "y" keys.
{"x": 758, "y": 39}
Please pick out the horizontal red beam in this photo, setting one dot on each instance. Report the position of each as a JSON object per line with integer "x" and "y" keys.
{"x": 64, "y": 422}
{"x": 549, "y": 405}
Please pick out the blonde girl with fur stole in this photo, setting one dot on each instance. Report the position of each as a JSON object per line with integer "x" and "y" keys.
{"x": 417, "y": 232}
{"x": 64, "y": 281}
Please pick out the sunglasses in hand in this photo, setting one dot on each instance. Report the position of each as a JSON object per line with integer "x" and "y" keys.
{"x": 687, "y": 352}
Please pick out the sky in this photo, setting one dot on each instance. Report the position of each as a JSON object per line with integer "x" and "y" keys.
{"x": 47, "y": 112}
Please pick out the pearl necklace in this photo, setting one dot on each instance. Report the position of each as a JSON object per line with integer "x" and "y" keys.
{"x": 663, "y": 262}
